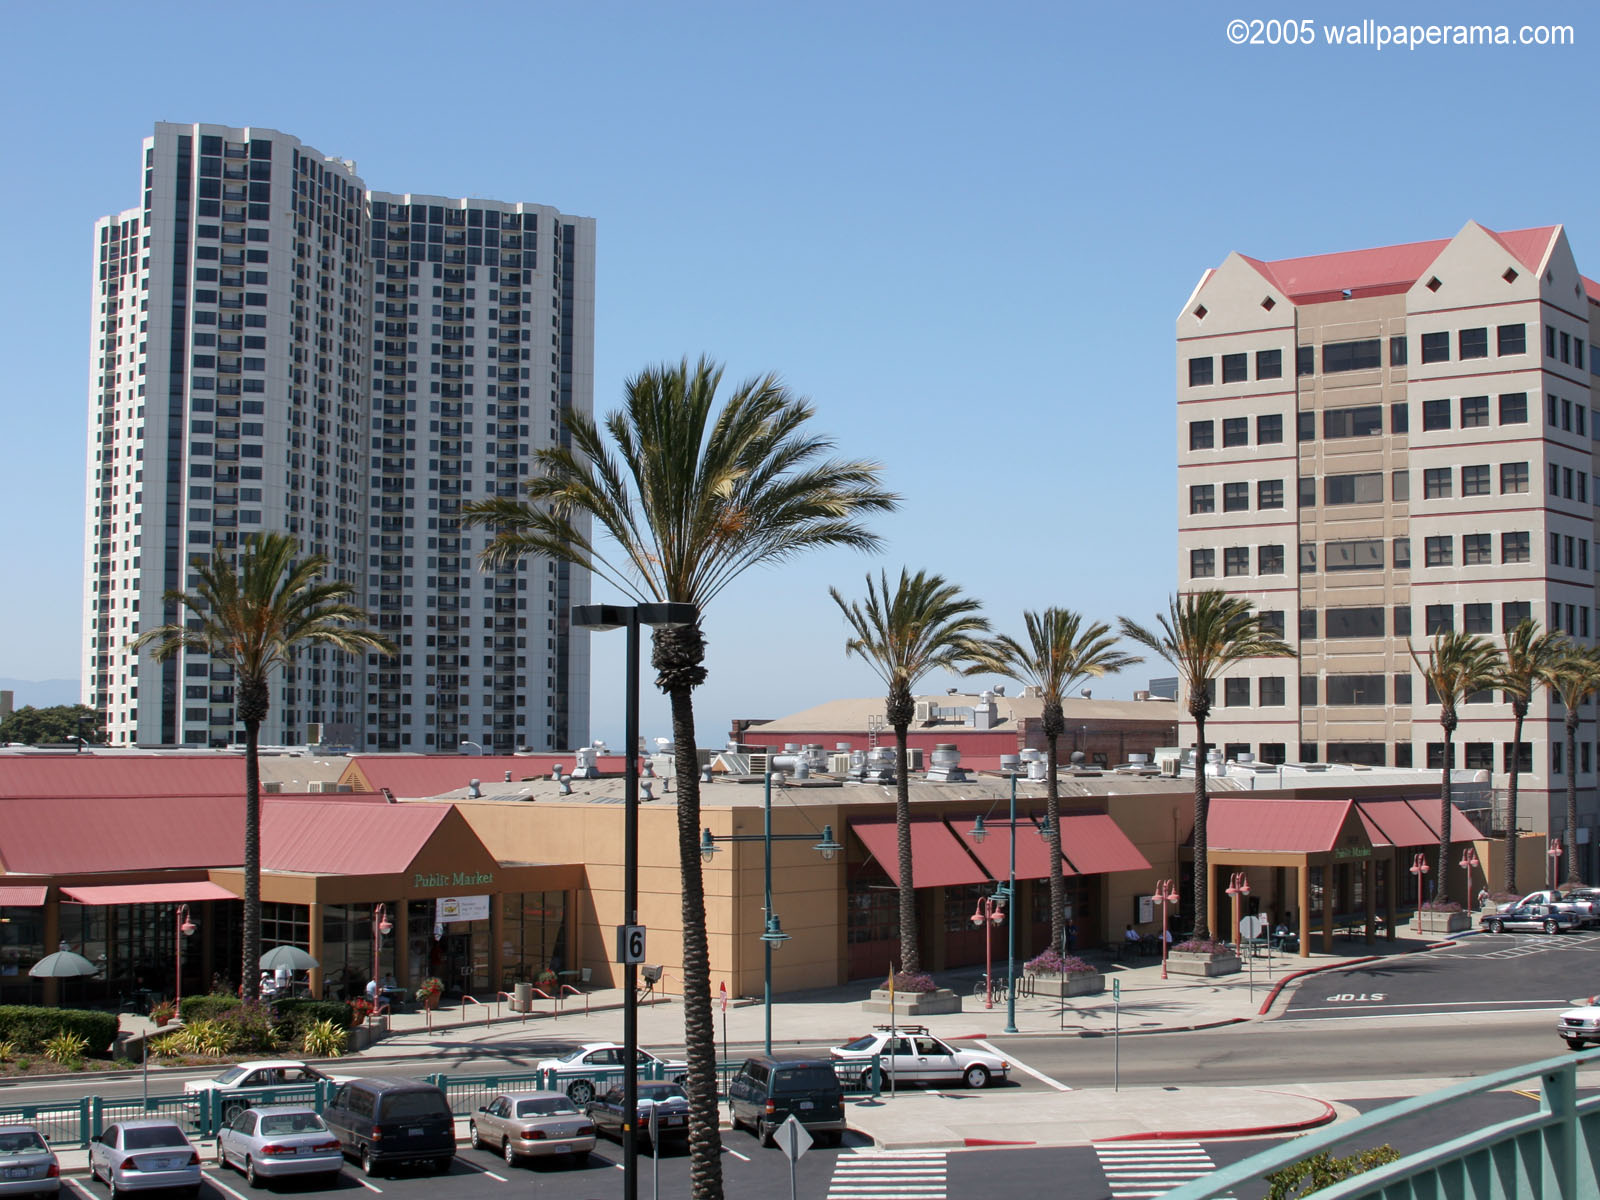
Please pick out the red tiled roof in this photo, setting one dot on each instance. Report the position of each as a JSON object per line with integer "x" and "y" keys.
{"x": 344, "y": 838}
{"x": 148, "y": 893}
{"x": 1591, "y": 289}
{"x": 994, "y": 852}
{"x": 66, "y": 835}
{"x": 1275, "y": 826}
{"x": 435, "y": 774}
{"x": 1094, "y": 844}
{"x": 938, "y": 859}
{"x": 122, "y": 775}
{"x": 22, "y": 897}
{"x": 1411, "y": 823}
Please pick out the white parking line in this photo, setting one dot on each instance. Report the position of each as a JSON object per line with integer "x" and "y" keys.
{"x": 468, "y": 1163}
{"x": 371, "y": 1187}
{"x": 736, "y": 1154}
{"x": 1024, "y": 1067}
{"x": 211, "y": 1177}
{"x": 81, "y": 1188}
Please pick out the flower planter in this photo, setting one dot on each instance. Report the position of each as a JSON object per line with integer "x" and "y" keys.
{"x": 1440, "y": 924}
{"x": 1191, "y": 962}
{"x": 913, "y": 1004}
{"x": 1074, "y": 983}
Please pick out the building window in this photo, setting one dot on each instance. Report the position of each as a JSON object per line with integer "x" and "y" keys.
{"x": 1308, "y": 624}
{"x": 1402, "y": 620}
{"x": 1514, "y": 613}
{"x": 1359, "y": 754}
{"x": 1366, "y": 421}
{"x": 1308, "y": 694}
{"x": 1269, "y": 560}
{"x": 1511, "y": 339}
{"x": 1202, "y": 498}
{"x": 1400, "y": 486}
{"x": 1524, "y": 757}
{"x": 1474, "y": 343}
{"x": 1271, "y": 691}
{"x": 1477, "y": 550}
{"x": 1354, "y": 623}
{"x": 1269, "y": 429}
{"x": 1435, "y": 347}
{"x": 1402, "y": 689}
{"x": 1436, "y": 483}
{"x": 1554, "y": 406}
{"x": 1555, "y": 480}
{"x": 1402, "y": 554}
{"x": 1199, "y": 372}
{"x": 1556, "y": 747}
{"x": 1236, "y": 560}
{"x": 1438, "y": 618}
{"x": 1549, "y": 341}
{"x": 1308, "y": 492}
{"x": 1305, "y": 361}
{"x": 1480, "y": 756}
{"x": 1513, "y": 477}
{"x": 1356, "y": 554}
{"x": 1516, "y": 547}
{"x": 1477, "y": 618}
{"x": 1474, "y": 412}
{"x": 1435, "y": 414}
{"x": 1236, "y": 431}
{"x": 1269, "y": 493}
{"x": 1353, "y": 489}
{"x": 1235, "y": 368}
{"x": 1235, "y": 497}
{"x": 1236, "y": 693}
{"x": 1399, "y": 418}
{"x": 1397, "y": 351}
{"x": 1402, "y": 754}
{"x": 1566, "y": 347}
{"x": 1514, "y": 408}
{"x": 1306, "y": 426}
{"x": 1355, "y": 689}
{"x": 1475, "y": 481}
{"x": 1438, "y": 551}
{"x": 1361, "y": 355}
{"x": 1202, "y": 563}
{"x": 1273, "y": 754}
{"x": 1271, "y": 622}
{"x": 1202, "y": 435}
{"x": 1269, "y": 364}
{"x": 1436, "y": 756}
{"x": 1308, "y": 558}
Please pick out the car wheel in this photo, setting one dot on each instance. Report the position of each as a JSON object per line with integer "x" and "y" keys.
{"x": 1573, "y": 1043}
{"x": 368, "y": 1167}
{"x": 250, "y": 1175}
{"x": 472, "y": 1131}
{"x": 976, "y": 1076}
{"x": 508, "y": 1153}
{"x": 581, "y": 1092}
{"x": 111, "y": 1185}
{"x": 765, "y": 1133}
{"x": 1550, "y": 925}
{"x": 1496, "y": 926}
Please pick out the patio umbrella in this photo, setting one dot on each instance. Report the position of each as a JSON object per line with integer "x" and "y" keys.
{"x": 63, "y": 964}
{"x": 291, "y": 957}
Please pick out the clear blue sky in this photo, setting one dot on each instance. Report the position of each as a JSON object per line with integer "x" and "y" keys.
{"x": 964, "y": 231}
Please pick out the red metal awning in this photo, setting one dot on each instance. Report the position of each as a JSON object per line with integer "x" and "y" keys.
{"x": 1411, "y": 823}
{"x": 148, "y": 893}
{"x": 1033, "y": 852}
{"x": 938, "y": 859}
{"x": 1093, "y": 844}
{"x": 17, "y": 896}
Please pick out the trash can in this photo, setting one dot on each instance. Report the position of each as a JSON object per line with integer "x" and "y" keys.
{"x": 522, "y": 997}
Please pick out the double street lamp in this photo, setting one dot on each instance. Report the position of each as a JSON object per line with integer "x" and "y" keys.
{"x": 1008, "y": 894}
{"x": 772, "y": 933}
{"x": 186, "y": 928}
{"x": 602, "y": 617}
{"x": 381, "y": 926}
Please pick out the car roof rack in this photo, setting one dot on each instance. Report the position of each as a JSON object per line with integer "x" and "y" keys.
{"x": 911, "y": 1029}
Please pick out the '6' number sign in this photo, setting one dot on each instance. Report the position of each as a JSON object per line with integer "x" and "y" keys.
{"x": 630, "y": 943}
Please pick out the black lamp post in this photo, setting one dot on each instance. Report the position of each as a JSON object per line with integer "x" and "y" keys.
{"x": 602, "y": 617}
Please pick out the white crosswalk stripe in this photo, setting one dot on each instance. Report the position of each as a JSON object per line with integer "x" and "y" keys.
{"x": 896, "y": 1175}
{"x": 1138, "y": 1170}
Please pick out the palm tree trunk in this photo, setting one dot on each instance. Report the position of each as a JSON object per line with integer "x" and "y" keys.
{"x": 250, "y": 967}
{"x": 1202, "y": 862}
{"x": 1058, "y": 884}
{"x": 910, "y": 955}
{"x": 699, "y": 1025}
{"x": 1446, "y": 808}
{"x": 1518, "y": 712}
{"x": 1572, "y": 794}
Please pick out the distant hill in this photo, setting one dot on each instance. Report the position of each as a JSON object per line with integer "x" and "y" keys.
{"x": 41, "y": 693}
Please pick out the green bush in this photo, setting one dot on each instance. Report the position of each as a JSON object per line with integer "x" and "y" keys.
{"x": 31, "y": 1026}
{"x": 206, "y": 1008}
{"x": 294, "y": 1017}
{"x": 250, "y": 1028}
{"x": 324, "y": 1039}
{"x": 1317, "y": 1172}
{"x": 65, "y": 1049}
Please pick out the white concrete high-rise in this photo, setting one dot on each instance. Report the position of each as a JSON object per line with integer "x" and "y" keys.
{"x": 275, "y": 347}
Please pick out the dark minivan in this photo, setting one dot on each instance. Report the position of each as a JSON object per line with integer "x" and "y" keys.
{"x": 384, "y": 1122}
{"x": 767, "y": 1090}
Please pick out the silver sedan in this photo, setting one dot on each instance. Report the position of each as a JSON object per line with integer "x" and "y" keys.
{"x": 532, "y": 1125}
{"x": 27, "y": 1164}
{"x": 272, "y": 1143}
{"x": 136, "y": 1156}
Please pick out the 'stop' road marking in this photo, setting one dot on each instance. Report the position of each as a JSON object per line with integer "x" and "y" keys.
{"x": 1025, "y": 1068}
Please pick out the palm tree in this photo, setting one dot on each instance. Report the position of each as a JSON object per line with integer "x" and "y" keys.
{"x": 924, "y": 625}
{"x": 1061, "y": 653}
{"x": 1459, "y": 665}
{"x": 1202, "y": 635}
{"x": 691, "y": 498}
{"x": 1530, "y": 658}
{"x": 1573, "y": 678}
{"x": 255, "y": 613}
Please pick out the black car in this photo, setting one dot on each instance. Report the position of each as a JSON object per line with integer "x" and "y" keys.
{"x": 768, "y": 1090}
{"x": 385, "y": 1122}
{"x": 668, "y": 1098}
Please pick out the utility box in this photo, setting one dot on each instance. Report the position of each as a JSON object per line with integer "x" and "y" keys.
{"x": 522, "y": 998}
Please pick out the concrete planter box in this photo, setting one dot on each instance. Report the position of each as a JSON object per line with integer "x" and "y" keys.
{"x": 1078, "y": 983}
{"x": 1440, "y": 924}
{"x": 1190, "y": 962}
{"x": 913, "y": 1004}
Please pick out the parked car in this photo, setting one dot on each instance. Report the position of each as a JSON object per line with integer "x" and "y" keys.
{"x": 1579, "y": 1025}
{"x": 591, "y": 1069}
{"x": 27, "y": 1164}
{"x": 1537, "y": 917}
{"x": 136, "y": 1156}
{"x": 673, "y": 1102}
{"x": 384, "y": 1122}
{"x": 768, "y": 1090}
{"x": 532, "y": 1125}
{"x": 245, "y": 1084}
{"x": 1582, "y": 906}
{"x": 916, "y": 1056}
{"x": 274, "y": 1143}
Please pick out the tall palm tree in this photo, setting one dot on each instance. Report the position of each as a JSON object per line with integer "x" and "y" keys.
{"x": 1529, "y": 660}
{"x": 1202, "y": 635}
{"x": 691, "y": 497}
{"x": 255, "y": 613}
{"x": 1573, "y": 678}
{"x": 924, "y": 625}
{"x": 1459, "y": 665}
{"x": 1062, "y": 651}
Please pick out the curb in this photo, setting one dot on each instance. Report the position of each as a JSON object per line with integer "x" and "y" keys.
{"x": 1354, "y": 962}
{"x": 1329, "y": 1113}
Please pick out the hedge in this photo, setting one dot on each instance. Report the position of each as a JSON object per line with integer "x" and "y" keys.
{"x": 294, "y": 1016}
{"x": 206, "y": 1008}
{"x": 31, "y": 1026}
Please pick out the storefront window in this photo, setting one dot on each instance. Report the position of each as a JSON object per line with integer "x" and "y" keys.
{"x": 21, "y": 945}
{"x": 533, "y": 936}
{"x": 347, "y": 948}
{"x": 959, "y": 905}
{"x": 873, "y": 912}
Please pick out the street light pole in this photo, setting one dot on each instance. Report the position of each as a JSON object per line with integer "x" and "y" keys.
{"x": 380, "y": 927}
{"x": 1166, "y": 894}
{"x": 977, "y": 833}
{"x": 1469, "y": 859}
{"x": 1419, "y": 868}
{"x": 1554, "y": 855}
{"x": 185, "y": 929}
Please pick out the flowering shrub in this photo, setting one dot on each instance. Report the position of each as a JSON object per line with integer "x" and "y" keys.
{"x": 548, "y": 978}
{"x": 1444, "y": 906}
{"x": 430, "y": 991}
{"x": 1053, "y": 963}
{"x": 1206, "y": 946}
{"x": 905, "y": 981}
{"x": 360, "y": 1010}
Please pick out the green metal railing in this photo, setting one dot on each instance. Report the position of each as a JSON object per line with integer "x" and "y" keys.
{"x": 1551, "y": 1154}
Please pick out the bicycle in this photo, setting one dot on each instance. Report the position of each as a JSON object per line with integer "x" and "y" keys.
{"x": 982, "y": 988}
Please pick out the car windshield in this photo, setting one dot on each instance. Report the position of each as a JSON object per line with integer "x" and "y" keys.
{"x": 861, "y": 1043}
{"x": 299, "y": 1122}
{"x": 572, "y": 1055}
{"x": 804, "y": 1079}
{"x": 153, "y": 1137}
{"x": 229, "y": 1076}
{"x": 21, "y": 1143}
{"x": 403, "y": 1105}
{"x": 655, "y": 1092}
{"x": 545, "y": 1106}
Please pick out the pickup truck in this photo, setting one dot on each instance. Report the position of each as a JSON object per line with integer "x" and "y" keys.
{"x": 1587, "y": 912}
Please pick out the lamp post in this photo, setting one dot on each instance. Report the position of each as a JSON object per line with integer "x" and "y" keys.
{"x": 186, "y": 928}
{"x": 630, "y": 617}
{"x": 380, "y": 929}
{"x": 1238, "y": 887}
{"x": 990, "y": 912}
{"x": 1469, "y": 859}
{"x": 1166, "y": 894}
{"x": 1554, "y": 855}
{"x": 977, "y": 834}
{"x": 772, "y": 933}
{"x": 1419, "y": 868}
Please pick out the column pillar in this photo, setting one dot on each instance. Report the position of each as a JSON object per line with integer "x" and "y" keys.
{"x": 1329, "y": 882}
{"x": 1371, "y": 901}
{"x": 1304, "y": 881}
{"x": 497, "y": 912}
{"x": 52, "y": 938}
{"x": 402, "y": 942}
{"x": 1391, "y": 887}
{"x": 314, "y": 946}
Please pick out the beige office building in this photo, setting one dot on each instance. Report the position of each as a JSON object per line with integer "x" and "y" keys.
{"x": 1379, "y": 444}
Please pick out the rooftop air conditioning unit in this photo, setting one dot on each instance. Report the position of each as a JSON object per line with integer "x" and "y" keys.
{"x": 924, "y": 710}
{"x": 839, "y": 764}
{"x": 758, "y": 762}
